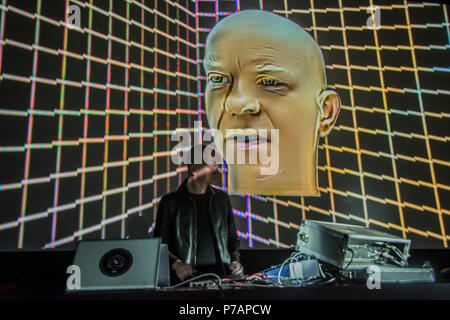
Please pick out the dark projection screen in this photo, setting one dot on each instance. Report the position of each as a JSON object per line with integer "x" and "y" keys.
{"x": 87, "y": 113}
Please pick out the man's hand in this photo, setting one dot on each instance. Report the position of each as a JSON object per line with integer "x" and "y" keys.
{"x": 236, "y": 268}
{"x": 182, "y": 270}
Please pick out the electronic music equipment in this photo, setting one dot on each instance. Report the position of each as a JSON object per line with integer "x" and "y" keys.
{"x": 163, "y": 267}
{"x": 121, "y": 264}
{"x": 389, "y": 274}
{"x": 345, "y": 245}
{"x": 295, "y": 270}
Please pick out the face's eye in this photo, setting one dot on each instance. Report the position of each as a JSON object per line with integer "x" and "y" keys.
{"x": 217, "y": 78}
{"x": 268, "y": 82}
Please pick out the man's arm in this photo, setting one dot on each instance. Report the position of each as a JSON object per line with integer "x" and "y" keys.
{"x": 163, "y": 226}
{"x": 164, "y": 229}
{"x": 233, "y": 239}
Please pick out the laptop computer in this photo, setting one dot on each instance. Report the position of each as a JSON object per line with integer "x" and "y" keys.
{"x": 121, "y": 265}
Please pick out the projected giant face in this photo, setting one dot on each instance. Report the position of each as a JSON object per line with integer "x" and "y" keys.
{"x": 266, "y": 74}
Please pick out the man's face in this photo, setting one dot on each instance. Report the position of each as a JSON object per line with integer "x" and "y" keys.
{"x": 272, "y": 70}
{"x": 207, "y": 173}
{"x": 209, "y": 170}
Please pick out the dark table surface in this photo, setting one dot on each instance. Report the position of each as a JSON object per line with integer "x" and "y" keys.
{"x": 423, "y": 291}
{"x": 54, "y": 288}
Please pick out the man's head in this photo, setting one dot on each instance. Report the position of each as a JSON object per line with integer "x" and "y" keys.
{"x": 202, "y": 164}
{"x": 265, "y": 72}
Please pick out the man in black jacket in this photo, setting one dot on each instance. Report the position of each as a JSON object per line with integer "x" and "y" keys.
{"x": 196, "y": 221}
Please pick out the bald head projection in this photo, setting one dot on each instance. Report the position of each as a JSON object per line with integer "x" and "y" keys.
{"x": 266, "y": 101}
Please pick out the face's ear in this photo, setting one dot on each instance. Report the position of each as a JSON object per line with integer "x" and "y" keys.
{"x": 331, "y": 105}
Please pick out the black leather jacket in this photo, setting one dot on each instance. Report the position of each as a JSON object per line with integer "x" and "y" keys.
{"x": 176, "y": 224}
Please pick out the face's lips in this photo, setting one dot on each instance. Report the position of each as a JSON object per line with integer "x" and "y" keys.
{"x": 249, "y": 139}
{"x": 249, "y": 135}
{"x": 246, "y": 139}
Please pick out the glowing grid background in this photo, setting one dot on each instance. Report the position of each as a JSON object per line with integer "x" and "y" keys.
{"x": 87, "y": 114}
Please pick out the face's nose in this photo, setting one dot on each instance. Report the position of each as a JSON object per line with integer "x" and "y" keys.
{"x": 239, "y": 102}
